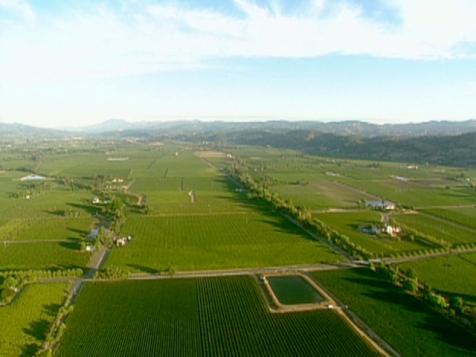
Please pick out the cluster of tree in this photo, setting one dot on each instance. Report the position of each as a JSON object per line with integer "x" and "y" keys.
{"x": 34, "y": 275}
{"x": 56, "y": 331}
{"x": 112, "y": 272}
{"x": 454, "y": 307}
{"x": 259, "y": 189}
{"x": 9, "y": 288}
{"x": 14, "y": 281}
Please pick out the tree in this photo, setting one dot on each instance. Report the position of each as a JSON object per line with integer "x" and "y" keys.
{"x": 457, "y": 303}
{"x": 411, "y": 285}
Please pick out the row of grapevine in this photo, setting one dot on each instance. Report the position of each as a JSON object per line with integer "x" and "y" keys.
{"x": 198, "y": 317}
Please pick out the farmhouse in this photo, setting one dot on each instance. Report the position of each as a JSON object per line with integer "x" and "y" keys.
{"x": 392, "y": 231}
{"x": 384, "y": 205}
{"x": 122, "y": 241}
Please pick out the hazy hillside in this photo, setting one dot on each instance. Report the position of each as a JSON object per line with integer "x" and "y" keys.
{"x": 458, "y": 150}
{"x": 357, "y": 128}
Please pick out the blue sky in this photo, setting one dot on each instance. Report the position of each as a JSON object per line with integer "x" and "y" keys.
{"x": 73, "y": 62}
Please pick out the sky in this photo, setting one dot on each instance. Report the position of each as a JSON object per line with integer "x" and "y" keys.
{"x": 80, "y": 62}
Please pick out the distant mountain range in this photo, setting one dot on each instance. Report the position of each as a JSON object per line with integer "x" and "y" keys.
{"x": 345, "y": 128}
{"x": 120, "y": 127}
{"x": 439, "y": 142}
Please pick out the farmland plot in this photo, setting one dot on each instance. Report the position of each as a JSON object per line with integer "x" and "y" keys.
{"x": 459, "y": 215}
{"x": 351, "y": 223}
{"x": 453, "y": 275}
{"x": 200, "y": 317}
{"x": 46, "y": 229}
{"x": 24, "y": 256}
{"x": 437, "y": 228}
{"x": 24, "y": 323}
{"x": 409, "y": 326}
{"x": 216, "y": 241}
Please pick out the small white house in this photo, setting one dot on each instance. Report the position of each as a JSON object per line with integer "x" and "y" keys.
{"x": 96, "y": 201}
{"x": 392, "y": 231}
{"x": 90, "y": 248}
{"x": 381, "y": 204}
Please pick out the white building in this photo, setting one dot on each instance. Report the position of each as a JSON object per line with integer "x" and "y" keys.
{"x": 385, "y": 205}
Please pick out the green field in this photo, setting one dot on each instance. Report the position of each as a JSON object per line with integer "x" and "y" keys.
{"x": 190, "y": 242}
{"x": 186, "y": 214}
{"x": 25, "y": 256}
{"x": 450, "y": 275}
{"x": 436, "y": 228}
{"x": 26, "y": 321}
{"x": 351, "y": 223}
{"x": 460, "y": 215}
{"x": 320, "y": 194}
{"x": 401, "y": 320}
{"x": 45, "y": 229}
{"x": 200, "y": 317}
{"x": 294, "y": 289}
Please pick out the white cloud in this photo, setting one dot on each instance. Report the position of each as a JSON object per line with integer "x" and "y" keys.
{"x": 96, "y": 42}
{"x": 18, "y": 7}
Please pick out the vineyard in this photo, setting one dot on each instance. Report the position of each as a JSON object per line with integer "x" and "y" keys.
{"x": 463, "y": 216}
{"x": 24, "y": 256}
{"x": 448, "y": 274}
{"x": 436, "y": 228}
{"x": 409, "y": 326}
{"x": 201, "y": 317}
{"x": 217, "y": 241}
{"x": 46, "y": 229}
{"x": 351, "y": 223}
{"x": 189, "y": 213}
{"x": 24, "y": 324}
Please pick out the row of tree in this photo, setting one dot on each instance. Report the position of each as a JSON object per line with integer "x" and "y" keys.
{"x": 451, "y": 306}
{"x": 259, "y": 189}
{"x": 12, "y": 282}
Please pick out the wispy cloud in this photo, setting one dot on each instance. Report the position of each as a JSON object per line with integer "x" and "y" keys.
{"x": 17, "y": 7}
{"x": 94, "y": 41}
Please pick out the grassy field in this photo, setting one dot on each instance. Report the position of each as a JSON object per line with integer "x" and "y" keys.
{"x": 292, "y": 290}
{"x": 436, "y": 228}
{"x": 423, "y": 186}
{"x": 451, "y": 275}
{"x": 321, "y": 194}
{"x": 25, "y": 322}
{"x": 351, "y": 223}
{"x": 401, "y": 320}
{"x": 45, "y": 229}
{"x": 460, "y": 215}
{"x": 201, "y": 317}
{"x": 24, "y": 256}
{"x": 190, "y": 242}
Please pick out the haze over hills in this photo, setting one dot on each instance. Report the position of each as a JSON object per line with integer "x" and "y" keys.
{"x": 438, "y": 142}
{"x": 351, "y": 127}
